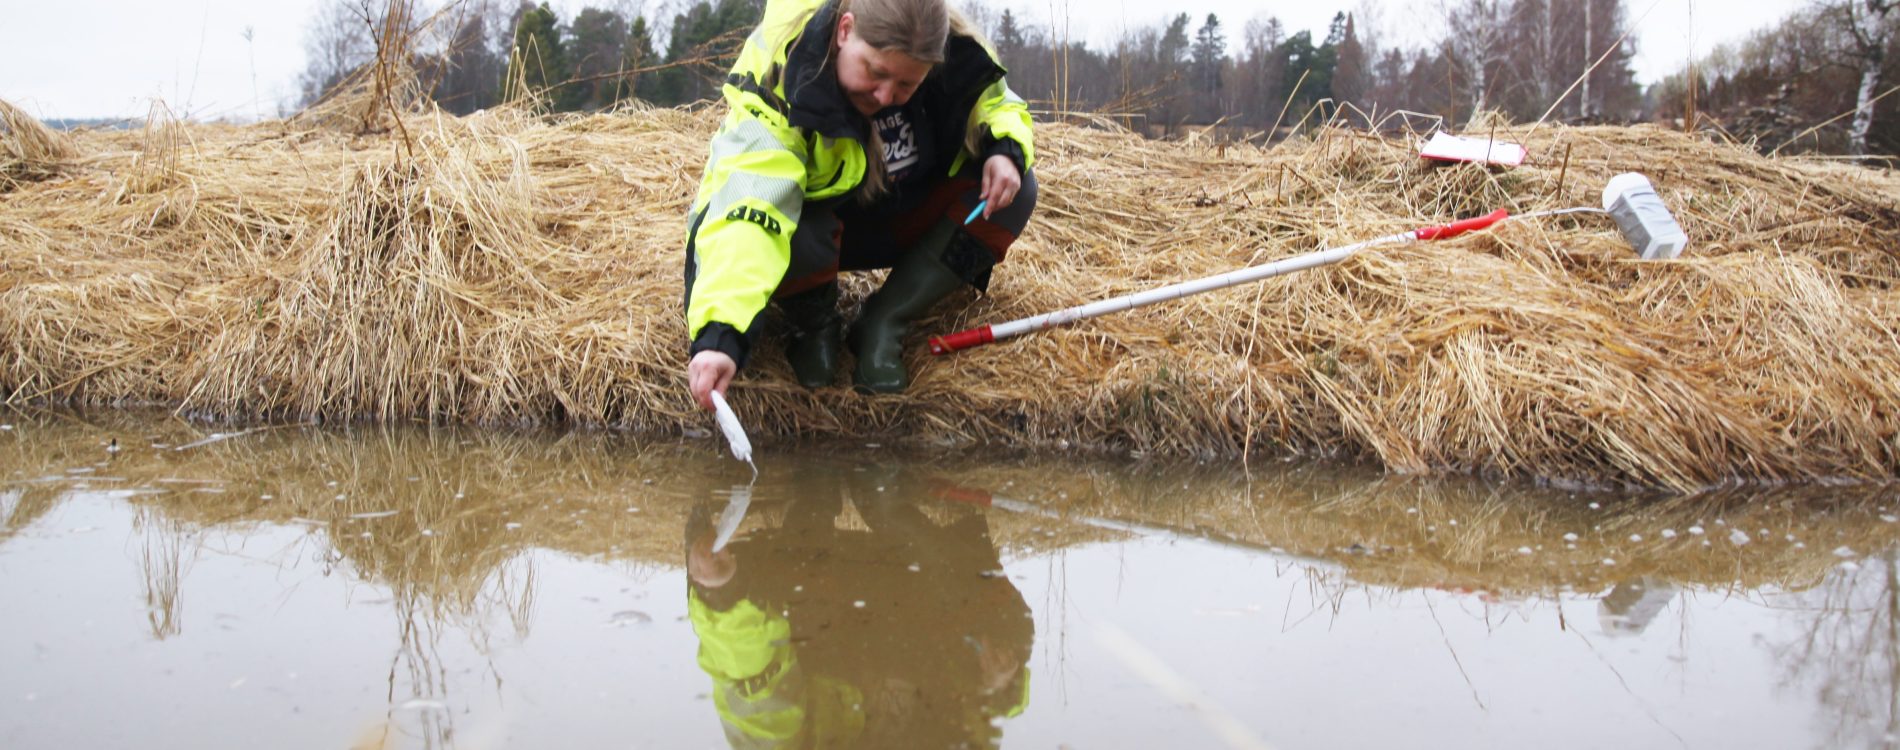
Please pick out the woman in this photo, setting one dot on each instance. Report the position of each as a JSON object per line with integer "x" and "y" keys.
{"x": 790, "y": 198}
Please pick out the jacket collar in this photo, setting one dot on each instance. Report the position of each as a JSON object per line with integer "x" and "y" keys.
{"x": 966, "y": 71}
{"x": 811, "y": 81}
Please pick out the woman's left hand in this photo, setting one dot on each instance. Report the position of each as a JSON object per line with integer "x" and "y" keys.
{"x": 1000, "y": 183}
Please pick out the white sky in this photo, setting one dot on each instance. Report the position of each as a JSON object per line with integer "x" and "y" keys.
{"x": 193, "y": 53}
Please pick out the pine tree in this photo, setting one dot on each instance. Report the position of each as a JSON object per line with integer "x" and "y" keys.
{"x": 1209, "y": 59}
{"x": 596, "y": 46}
{"x": 1303, "y": 76}
{"x": 1171, "y": 55}
{"x": 1009, "y": 36}
{"x": 1326, "y": 60}
{"x": 1350, "y": 82}
{"x": 1210, "y": 54}
{"x": 637, "y": 54}
{"x": 1174, "y": 42}
{"x": 473, "y": 69}
{"x": 706, "y": 36}
{"x": 536, "y": 59}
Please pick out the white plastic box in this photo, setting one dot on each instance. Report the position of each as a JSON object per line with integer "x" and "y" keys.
{"x": 1644, "y": 219}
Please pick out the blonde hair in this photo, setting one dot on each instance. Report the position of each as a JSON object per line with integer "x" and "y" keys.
{"x": 919, "y": 29}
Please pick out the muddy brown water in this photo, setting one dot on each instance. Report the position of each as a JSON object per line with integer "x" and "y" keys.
{"x": 168, "y": 585}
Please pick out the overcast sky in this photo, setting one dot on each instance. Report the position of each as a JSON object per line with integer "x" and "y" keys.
{"x": 110, "y": 58}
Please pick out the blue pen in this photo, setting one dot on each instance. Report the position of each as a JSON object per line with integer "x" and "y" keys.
{"x": 978, "y": 212}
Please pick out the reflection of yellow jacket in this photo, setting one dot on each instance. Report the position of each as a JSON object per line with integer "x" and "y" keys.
{"x": 764, "y": 699}
{"x": 789, "y": 137}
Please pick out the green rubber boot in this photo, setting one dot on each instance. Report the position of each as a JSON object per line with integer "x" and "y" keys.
{"x": 816, "y": 332}
{"x": 917, "y": 282}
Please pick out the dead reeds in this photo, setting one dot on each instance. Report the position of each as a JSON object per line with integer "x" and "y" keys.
{"x": 510, "y": 269}
{"x": 29, "y": 151}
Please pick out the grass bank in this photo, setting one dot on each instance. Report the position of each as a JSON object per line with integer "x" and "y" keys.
{"x": 508, "y": 268}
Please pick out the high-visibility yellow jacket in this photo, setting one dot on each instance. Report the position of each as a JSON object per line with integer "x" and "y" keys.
{"x": 790, "y": 137}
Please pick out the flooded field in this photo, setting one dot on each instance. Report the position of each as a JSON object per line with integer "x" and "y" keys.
{"x": 168, "y": 586}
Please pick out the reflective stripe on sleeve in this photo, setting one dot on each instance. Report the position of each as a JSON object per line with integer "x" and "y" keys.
{"x": 1007, "y": 116}
{"x": 748, "y": 161}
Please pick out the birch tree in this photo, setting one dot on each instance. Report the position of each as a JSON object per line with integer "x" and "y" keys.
{"x": 1476, "y": 41}
{"x": 337, "y": 42}
{"x": 1869, "y": 24}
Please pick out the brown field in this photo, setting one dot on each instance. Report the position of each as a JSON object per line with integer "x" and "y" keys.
{"x": 509, "y": 268}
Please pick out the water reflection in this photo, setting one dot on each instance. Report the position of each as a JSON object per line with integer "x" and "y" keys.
{"x": 163, "y": 554}
{"x": 1632, "y": 605}
{"x": 454, "y": 585}
{"x": 891, "y": 625}
{"x": 1848, "y": 650}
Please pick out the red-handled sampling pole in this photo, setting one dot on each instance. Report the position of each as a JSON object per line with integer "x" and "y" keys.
{"x": 986, "y": 334}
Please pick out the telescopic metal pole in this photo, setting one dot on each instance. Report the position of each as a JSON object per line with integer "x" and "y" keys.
{"x": 991, "y": 333}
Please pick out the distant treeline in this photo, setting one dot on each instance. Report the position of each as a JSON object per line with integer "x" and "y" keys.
{"x": 93, "y": 123}
{"x": 1525, "y": 59}
{"x": 1822, "y": 80}
{"x": 474, "y": 54}
{"x": 1516, "y": 58}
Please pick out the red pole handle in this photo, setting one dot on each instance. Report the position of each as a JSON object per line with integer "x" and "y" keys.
{"x": 959, "y": 494}
{"x": 967, "y": 339}
{"x": 1448, "y": 231}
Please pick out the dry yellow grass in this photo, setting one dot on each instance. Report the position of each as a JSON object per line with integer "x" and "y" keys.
{"x": 508, "y": 268}
{"x": 28, "y": 150}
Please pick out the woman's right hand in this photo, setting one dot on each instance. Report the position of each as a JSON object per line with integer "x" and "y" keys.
{"x": 1001, "y": 182}
{"x": 710, "y": 371}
